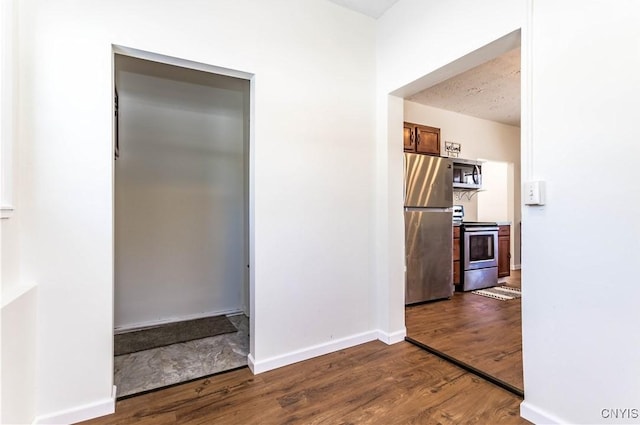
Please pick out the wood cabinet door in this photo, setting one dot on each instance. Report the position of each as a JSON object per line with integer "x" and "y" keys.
{"x": 504, "y": 256}
{"x": 427, "y": 140}
{"x": 456, "y": 255}
{"x": 456, "y": 249}
{"x": 409, "y": 137}
{"x": 456, "y": 272}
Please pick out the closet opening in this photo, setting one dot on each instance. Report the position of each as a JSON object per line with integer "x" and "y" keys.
{"x": 181, "y": 223}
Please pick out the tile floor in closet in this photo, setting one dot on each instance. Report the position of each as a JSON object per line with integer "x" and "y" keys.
{"x": 164, "y": 366}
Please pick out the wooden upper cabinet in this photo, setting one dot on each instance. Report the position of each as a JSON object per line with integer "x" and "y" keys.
{"x": 427, "y": 140}
{"x": 409, "y": 137}
{"x": 421, "y": 139}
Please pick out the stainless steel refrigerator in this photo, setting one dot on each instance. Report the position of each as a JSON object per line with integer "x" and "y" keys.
{"x": 428, "y": 227}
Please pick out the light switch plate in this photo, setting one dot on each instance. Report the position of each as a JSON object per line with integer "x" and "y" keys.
{"x": 534, "y": 193}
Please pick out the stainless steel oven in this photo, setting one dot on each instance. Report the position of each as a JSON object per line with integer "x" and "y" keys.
{"x": 480, "y": 255}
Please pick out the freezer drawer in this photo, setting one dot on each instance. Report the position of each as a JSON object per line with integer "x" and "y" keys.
{"x": 428, "y": 246}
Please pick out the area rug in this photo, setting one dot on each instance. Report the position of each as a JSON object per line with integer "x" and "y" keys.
{"x": 502, "y": 293}
{"x": 171, "y": 333}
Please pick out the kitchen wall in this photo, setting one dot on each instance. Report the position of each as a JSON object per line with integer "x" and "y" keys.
{"x": 179, "y": 194}
{"x": 312, "y": 167}
{"x": 479, "y": 139}
{"x": 496, "y": 200}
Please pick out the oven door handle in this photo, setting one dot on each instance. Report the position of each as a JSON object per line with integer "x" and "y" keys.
{"x": 481, "y": 229}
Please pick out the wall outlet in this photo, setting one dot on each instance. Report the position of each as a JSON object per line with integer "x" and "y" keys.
{"x": 534, "y": 193}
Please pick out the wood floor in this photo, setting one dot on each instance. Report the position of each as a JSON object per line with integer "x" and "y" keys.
{"x": 482, "y": 332}
{"x": 372, "y": 383}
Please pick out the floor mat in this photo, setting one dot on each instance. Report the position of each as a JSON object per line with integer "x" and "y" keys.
{"x": 171, "y": 333}
{"x": 502, "y": 293}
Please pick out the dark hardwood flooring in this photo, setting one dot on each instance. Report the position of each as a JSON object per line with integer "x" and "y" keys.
{"x": 482, "y": 332}
{"x": 372, "y": 383}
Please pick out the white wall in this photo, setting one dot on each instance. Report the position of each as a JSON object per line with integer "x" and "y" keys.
{"x": 18, "y": 357}
{"x": 479, "y": 139}
{"x": 312, "y": 172}
{"x": 18, "y": 297}
{"x": 493, "y": 201}
{"x": 579, "y": 346}
{"x": 581, "y": 343}
{"x": 179, "y": 194}
{"x": 9, "y": 196}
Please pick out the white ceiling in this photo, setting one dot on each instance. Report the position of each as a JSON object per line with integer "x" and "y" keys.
{"x": 490, "y": 91}
{"x": 373, "y": 8}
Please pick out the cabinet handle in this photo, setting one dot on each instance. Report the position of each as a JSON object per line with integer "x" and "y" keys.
{"x": 417, "y": 137}
{"x": 412, "y": 137}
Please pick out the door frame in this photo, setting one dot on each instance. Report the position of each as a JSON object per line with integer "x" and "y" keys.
{"x": 247, "y": 291}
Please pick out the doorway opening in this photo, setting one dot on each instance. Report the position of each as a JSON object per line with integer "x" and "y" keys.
{"x": 181, "y": 220}
{"x": 481, "y": 334}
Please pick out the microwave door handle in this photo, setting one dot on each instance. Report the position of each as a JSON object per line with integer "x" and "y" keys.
{"x": 476, "y": 174}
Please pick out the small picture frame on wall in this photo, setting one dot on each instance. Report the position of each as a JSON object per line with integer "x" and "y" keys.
{"x": 452, "y": 149}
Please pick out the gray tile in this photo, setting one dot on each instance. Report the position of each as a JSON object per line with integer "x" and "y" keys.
{"x": 162, "y": 366}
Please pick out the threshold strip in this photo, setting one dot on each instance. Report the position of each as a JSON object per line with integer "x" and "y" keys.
{"x": 468, "y": 367}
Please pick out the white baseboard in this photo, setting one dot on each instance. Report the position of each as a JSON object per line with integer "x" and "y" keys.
{"x": 516, "y": 267}
{"x": 538, "y": 416}
{"x": 136, "y": 326}
{"x": 251, "y": 363}
{"x": 310, "y": 352}
{"x": 392, "y": 338}
{"x": 96, "y": 409}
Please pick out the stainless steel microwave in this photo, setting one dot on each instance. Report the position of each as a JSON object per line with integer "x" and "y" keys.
{"x": 467, "y": 174}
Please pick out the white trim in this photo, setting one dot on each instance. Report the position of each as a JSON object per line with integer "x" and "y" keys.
{"x": 310, "y": 352}
{"x": 184, "y": 63}
{"x": 14, "y": 292}
{"x": 538, "y": 416}
{"x": 151, "y": 323}
{"x": 96, "y": 409}
{"x": 516, "y": 267}
{"x": 393, "y": 337}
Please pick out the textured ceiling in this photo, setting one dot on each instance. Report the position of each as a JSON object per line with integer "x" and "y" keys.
{"x": 373, "y": 8}
{"x": 490, "y": 91}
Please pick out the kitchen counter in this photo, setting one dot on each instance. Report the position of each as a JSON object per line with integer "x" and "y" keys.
{"x": 499, "y": 223}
